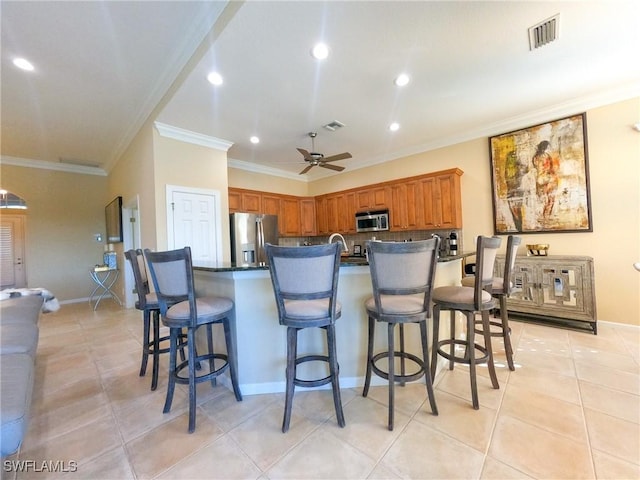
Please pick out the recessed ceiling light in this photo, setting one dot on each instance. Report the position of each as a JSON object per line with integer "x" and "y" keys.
{"x": 254, "y": 139}
{"x": 320, "y": 51}
{"x": 23, "y": 64}
{"x": 401, "y": 80}
{"x": 394, "y": 126}
{"x": 215, "y": 78}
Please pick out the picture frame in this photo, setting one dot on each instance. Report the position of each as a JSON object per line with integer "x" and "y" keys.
{"x": 540, "y": 178}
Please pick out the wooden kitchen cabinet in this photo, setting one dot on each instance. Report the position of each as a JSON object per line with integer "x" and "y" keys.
{"x": 556, "y": 288}
{"x": 322, "y": 222}
{"x": 271, "y": 204}
{"x": 235, "y": 201}
{"x": 289, "y": 219}
{"x": 307, "y": 216}
{"x": 405, "y": 212}
{"x": 333, "y": 213}
{"x": 439, "y": 200}
{"x": 348, "y": 218}
{"x": 425, "y": 202}
{"x": 244, "y": 201}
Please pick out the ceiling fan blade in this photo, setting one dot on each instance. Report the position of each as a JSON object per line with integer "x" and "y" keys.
{"x": 306, "y": 169}
{"x": 332, "y": 167}
{"x": 305, "y": 154}
{"x": 340, "y": 156}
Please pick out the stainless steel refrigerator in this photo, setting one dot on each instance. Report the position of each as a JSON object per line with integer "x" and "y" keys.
{"x": 249, "y": 234}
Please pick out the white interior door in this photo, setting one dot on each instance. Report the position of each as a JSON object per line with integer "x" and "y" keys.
{"x": 193, "y": 216}
{"x": 12, "y": 260}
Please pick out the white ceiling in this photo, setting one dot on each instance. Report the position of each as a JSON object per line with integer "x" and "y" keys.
{"x": 102, "y": 68}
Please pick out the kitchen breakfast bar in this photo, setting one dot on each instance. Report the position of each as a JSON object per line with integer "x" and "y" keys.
{"x": 261, "y": 340}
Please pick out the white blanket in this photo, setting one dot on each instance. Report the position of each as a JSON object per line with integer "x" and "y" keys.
{"x": 50, "y": 304}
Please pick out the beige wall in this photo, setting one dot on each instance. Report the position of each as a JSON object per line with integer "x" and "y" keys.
{"x": 132, "y": 178}
{"x": 65, "y": 211}
{"x": 614, "y": 164}
{"x": 265, "y": 183}
{"x": 187, "y": 165}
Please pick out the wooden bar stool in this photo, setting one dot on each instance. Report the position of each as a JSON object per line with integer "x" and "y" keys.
{"x": 305, "y": 284}
{"x": 172, "y": 275}
{"x": 402, "y": 277}
{"x": 501, "y": 288}
{"x": 468, "y": 300}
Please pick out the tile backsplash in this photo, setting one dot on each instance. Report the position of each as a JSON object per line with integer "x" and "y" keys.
{"x": 361, "y": 238}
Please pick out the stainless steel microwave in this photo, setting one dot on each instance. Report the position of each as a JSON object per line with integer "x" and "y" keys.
{"x": 376, "y": 221}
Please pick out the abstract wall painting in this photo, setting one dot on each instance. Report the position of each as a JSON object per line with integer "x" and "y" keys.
{"x": 540, "y": 178}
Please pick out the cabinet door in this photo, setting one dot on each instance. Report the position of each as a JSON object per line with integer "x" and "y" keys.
{"x": 349, "y": 219}
{"x": 363, "y": 200}
{"x": 322, "y": 223}
{"x": 380, "y": 197}
{"x": 271, "y": 204}
{"x": 430, "y": 203}
{"x": 290, "y": 210}
{"x": 307, "y": 216}
{"x": 450, "y": 206}
{"x": 405, "y": 200}
{"x": 251, "y": 202}
{"x": 235, "y": 201}
{"x": 398, "y": 210}
{"x": 440, "y": 202}
{"x": 333, "y": 213}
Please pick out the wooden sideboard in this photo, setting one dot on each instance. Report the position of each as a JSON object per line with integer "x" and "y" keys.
{"x": 554, "y": 288}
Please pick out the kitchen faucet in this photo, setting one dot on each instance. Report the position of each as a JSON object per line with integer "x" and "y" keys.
{"x": 341, "y": 238}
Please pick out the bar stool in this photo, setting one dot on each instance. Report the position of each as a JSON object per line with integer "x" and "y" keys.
{"x": 148, "y": 303}
{"x": 468, "y": 300}
{"x": 305, "y": 284}
{"x": 402, "y": 277}
{"x": 501, "y": 288}
{"x": 172, "y": 275}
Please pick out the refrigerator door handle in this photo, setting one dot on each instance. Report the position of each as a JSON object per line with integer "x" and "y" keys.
{"x": 260, "y": 247}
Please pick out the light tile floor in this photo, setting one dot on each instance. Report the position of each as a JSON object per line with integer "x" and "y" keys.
{"x": 570, "y": 410}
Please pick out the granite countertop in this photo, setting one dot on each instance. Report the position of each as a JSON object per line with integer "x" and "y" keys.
{"x": 351, "y": 261}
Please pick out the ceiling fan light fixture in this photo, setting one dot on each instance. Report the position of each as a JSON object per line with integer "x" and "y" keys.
{"x": 394, "y": 127}
{"x": 254, "y": 140}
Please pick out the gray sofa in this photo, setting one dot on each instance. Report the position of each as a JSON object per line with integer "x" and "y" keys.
{"x": 18, "y": 343}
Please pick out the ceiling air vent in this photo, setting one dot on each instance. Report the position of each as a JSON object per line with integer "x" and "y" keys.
{"x": 544, "y": 32}
{"x": 333, "y": 126}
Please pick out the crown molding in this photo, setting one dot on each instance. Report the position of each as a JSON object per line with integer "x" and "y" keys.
{"x": 176, "y": 133}
{"x": 61, "y": 167}
{"x": 257, "y": 168}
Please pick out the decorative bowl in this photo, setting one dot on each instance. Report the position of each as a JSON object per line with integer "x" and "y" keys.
{"x": 538, "y": 249}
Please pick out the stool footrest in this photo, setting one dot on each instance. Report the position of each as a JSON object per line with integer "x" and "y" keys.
{"x": 481, "y": 359}
{"x": 207, "y": 376}
{"x": 479, "y": 331}
{"x": 410, "y": 377}
{"x": 312, "y": 383}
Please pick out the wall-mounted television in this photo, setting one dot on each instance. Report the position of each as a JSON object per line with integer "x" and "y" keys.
{"x": 113, "y": 216}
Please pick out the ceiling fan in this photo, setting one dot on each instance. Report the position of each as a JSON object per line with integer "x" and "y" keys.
{"x": 314, "y": 158}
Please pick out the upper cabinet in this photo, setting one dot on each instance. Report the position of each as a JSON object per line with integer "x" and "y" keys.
{"x": 296, "y": 215}
{"x": 425, "y": 202}
{"x": 245, "y": 201}
{"x": 439, "y": 201}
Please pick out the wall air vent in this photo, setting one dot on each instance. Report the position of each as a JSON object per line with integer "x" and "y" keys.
{"x": 544, "y": 32}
